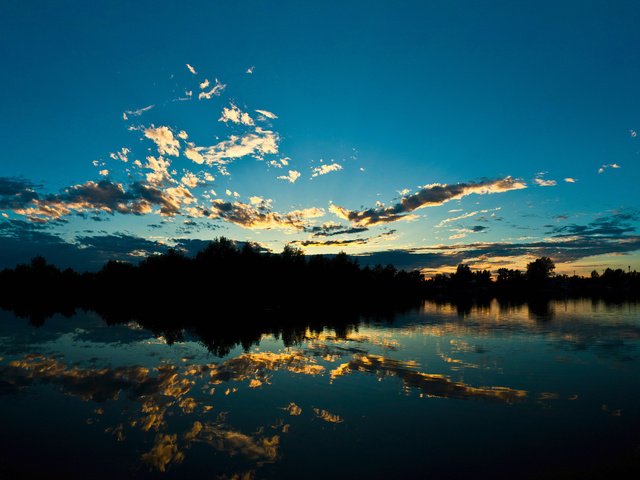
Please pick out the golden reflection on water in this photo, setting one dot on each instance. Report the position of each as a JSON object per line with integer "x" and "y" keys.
{"x": 167, "y": 388}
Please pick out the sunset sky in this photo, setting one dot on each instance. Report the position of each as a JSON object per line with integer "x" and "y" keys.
{"x": 422, "y": 134}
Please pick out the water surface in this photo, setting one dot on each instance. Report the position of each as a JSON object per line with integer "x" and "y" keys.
{"x": 440, "y": 392}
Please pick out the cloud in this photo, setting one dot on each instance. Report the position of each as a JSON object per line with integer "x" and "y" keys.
{"x": 615, "y": 225}
{"x": 204, "y": 84}
{"x": 20, "y": 241}
{"x": 463, "y": 216}
{"x": 136, "y": 113}
{"x": 428, "y": 196}
{"x": 191, "y": 69}
{"x": 159, "y": 170}
{"x": 291, "y": 177}
{"x": 433, "y": 385}
{"x": 545, "y": 183}
{"x": 267, "y": 114}
{"x": 283, "y": 162}
{"x": 463, "y": 232}
{"x": 121, "y": 155}
{"x": 106, "y": 196}
{"x": 342, "y": 242}
{"x": 570, "y": 180}
{"x": 215, "y": 91}
{"x": 257, "y": 144}
{"x": 324, "y": 169}
{"x": 16, "y": 192}
{"x": 165, "y": 141}
{"x": 261, "y": 217}
{"x": 235, "y": 115}
{"x": 331, "y": 243}
{"x": 608, "y": 165}
{"x": 190, "y": 180}
{"x": 569, "y": 249}
{"x": 330, "y": 229}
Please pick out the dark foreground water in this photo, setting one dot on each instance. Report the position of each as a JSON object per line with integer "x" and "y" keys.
{"x": 493, "y": 392}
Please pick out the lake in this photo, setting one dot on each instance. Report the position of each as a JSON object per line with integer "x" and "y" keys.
{"x": 442, "y": 391}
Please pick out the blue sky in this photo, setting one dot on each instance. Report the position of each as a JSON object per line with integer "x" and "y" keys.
{"x": 476, "y": 113}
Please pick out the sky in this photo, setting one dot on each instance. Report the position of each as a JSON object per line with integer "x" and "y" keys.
{"x": 422, "y": 134}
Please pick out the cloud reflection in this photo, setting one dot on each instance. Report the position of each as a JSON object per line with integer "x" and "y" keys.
{"x": 433, "y": 385}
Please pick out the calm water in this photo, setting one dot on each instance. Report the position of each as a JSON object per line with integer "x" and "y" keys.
{"x": 492, "y": 392}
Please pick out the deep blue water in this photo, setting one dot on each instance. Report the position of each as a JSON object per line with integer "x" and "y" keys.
{"x": 493, "y": 392}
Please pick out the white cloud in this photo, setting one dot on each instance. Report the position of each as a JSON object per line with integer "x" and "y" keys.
{"x": 545, "y": 183}
{"x": 429, "y": 196}
{"x": 159, "y": 170}
{"x": 250, "y": 70}
{"x": 190, "y": 180}
{"x": 136, "y": 113}
{"x": 216, "y": 90}
{"x": 291, "y": 177}
{"x": 235, "y": 115}
{"x": 257, "y": 144}
{"x": 267, "y": 114}
{"x": 570, "y": 180}
{"x": 463, "y": 216}
{"x": 122, "y": 155}
{"x": 324, "y": 169}
{"x": 104, "y": 172}
{"x": 204, "y": 84}
{"x": 191, "y": 69}
{"x": 608, "y": 165}
{"x": 164, "y": 139}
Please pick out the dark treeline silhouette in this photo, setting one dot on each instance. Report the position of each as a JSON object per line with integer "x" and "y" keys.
{"x": 538, "y": 281}
{"x": 229, "y": 295}
{"x": 223, "y": 287}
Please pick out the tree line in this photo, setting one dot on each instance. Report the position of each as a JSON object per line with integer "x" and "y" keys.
{"x": 538, "y": 279}
{"x": 237, "y": 281}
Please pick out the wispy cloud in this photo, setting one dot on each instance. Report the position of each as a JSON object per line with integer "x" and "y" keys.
{"x": 608, "y": 165}
{"x": 324, "y": 169}
{"x": 330, "y": 229}
{"x": 463, "y": 232}
{"x": 343, "y": 242}
{"x": 613, "y": 225}
{"x": 215, "y": 91}
{"x": 464, "y": 216}
{"x": 291, "y": 177}
{"x": 257, "y": 144}
{"x": 250, "y": 70}
{"x": 267, "y": 114}
{"x": 136, "y": 113}
{"x": 191, "y": 69}
{"x": 543, "y": 182}
{"x": 570, "y": 180}
{"x": 121, "y": 155}
{"x": 428, "y": 196}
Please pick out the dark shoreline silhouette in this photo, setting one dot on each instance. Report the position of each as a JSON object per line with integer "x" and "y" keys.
{"x": 228, "y": 295}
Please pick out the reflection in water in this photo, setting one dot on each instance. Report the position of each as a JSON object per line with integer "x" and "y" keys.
{"x": 166, "y": 388}
{"x": 249, "y": 414}
{"x": 431, "y": 385}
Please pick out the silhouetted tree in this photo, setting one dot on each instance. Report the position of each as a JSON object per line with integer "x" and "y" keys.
{"x": 540, "y": 270}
